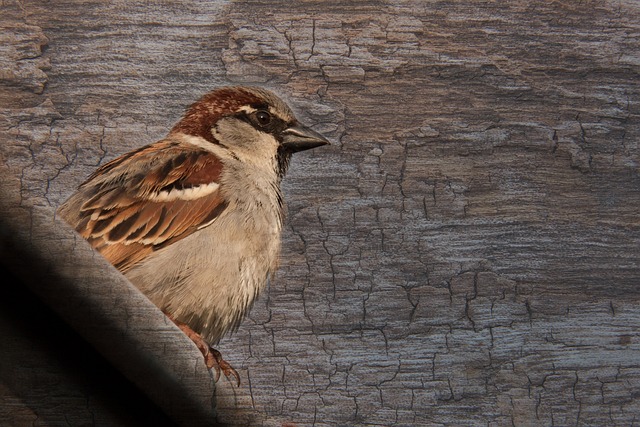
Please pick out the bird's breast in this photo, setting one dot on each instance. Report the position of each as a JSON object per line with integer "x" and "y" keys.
{"x": 210, "y": 279}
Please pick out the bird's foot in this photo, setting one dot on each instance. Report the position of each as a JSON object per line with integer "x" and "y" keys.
{"x": 214, "y": 360}
{"x": 212, "y": 357}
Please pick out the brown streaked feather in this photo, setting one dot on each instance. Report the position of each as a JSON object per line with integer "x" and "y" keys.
{"x": 123, "y": 257}
{"x": 121, "y": 218}
{"x": 145, "y": 172}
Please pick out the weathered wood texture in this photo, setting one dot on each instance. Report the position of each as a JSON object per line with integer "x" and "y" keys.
{"x": 57, "y": 378}
{"x": 467, "y": 253}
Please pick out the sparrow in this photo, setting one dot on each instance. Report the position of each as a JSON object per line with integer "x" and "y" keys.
{"x": 194, "y": 220}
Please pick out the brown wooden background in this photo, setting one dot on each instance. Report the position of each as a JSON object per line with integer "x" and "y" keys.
{"x": 466, "y": 253}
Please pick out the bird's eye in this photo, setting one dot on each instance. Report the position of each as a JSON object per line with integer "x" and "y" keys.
{"x": 263, "y": 118}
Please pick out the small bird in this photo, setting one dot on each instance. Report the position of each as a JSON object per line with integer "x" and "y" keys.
{"x": 194, "y": 220}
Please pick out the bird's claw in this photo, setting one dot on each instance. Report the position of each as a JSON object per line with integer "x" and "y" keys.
{"x": 212, "y": 357}
{"x": 213, "y": 360}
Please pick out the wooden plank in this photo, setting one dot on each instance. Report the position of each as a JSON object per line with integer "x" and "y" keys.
{"x": 466, "y": 252}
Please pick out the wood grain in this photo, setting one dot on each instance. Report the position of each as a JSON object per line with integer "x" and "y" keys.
{"x": 467, "y": 251}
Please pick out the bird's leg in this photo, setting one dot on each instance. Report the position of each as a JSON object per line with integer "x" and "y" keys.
{"x": 212, "y": 357}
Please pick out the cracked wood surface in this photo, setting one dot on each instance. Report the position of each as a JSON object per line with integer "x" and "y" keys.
{"x": 467, "y": 251}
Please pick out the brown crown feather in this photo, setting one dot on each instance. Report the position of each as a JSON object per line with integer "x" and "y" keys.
{"x": 207, "y": 110}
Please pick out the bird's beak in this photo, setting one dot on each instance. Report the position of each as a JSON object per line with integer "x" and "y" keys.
{"x": 299, "y": 137}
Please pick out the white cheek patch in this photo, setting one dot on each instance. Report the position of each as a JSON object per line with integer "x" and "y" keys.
{"x": 192, "y": 193}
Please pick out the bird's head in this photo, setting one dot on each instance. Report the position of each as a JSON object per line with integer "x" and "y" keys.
{"x": 252, "y": 123}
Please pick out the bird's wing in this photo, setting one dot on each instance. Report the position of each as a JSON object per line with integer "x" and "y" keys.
{"x": 147, "y": 199}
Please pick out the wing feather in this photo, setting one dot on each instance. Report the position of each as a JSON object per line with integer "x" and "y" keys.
{"x": 147, "y": 199}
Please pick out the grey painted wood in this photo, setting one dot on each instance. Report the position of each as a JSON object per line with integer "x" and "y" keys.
{"x": 466, "y": 253}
